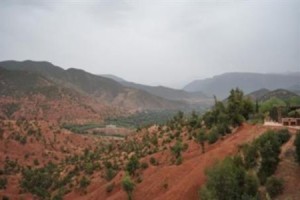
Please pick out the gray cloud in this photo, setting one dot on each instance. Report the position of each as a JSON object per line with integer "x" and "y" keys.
{"x": 154, "y": 42}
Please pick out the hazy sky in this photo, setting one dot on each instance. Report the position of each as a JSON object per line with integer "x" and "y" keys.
{"x": 157, "y": 42}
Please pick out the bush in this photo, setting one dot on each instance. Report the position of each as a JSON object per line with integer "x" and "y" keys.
{"x": 297, "y": 145}
{"x": 283, "y": 135}
{"x": 274, "y": 186}
{"x": 153, "y": 161}
{"x": 3, "y": 183}
{"x": 177, "y": 149}
{"x": 251, "y": 184}
{"x": 269, "y": 148}
{"x": 144, "y": 165}
{"x": 40, "y": 181}
{"x": 84, "y": 182}
{"x": 132, "y": 165}
{"x": 110, "y": 173}
{"x": 213, "y": 136}
{"x": 178, "y": 160}
{"x": 128, "y": 186}
{"x": 228, "y": 180}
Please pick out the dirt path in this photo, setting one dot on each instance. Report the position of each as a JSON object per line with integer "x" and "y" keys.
{"x": 289, "y": 170}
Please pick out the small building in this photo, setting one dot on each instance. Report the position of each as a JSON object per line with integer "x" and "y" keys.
{"x": 287, "y": 121}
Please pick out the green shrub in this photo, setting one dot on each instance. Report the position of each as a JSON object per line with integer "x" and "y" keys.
{"x": 39, "y": 181}
{"x": 251, "y": 185}
{"x": 213, "y": 136}
{"x": 84, "y": 182}
{"x": 283, "y": 135}
{"x": 153, "y": 161}
{"x": 132, "y": 165}
{"x": 3, "y": 183}
{"x": 274, "y": 186}
{"x": 110, "y": 173}
{"x": 128, "y": 186}
{"x": 177, "y": 149}
{"x": 228, "y": 180}
{"x": 178, "y": 160}
{"x": 297, "y": 145}
{"x": 144, "y": 165}
{"x": 269, "y": 148}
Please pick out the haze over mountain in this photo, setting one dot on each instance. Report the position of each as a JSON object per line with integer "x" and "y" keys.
{"x": 165, "y": 92}
{"x": 220, "y": 85}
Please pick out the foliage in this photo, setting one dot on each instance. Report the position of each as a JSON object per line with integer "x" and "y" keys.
{"x": 264, "y": 152}
{"x": 110, "y": 173}
{"x": 128, "y": 185}
{"x": 132, "y": 165}
{"x": 39, "y": 181}
{"x": 142, "y": 119}
{"x": 238, "y": 107}
{"x": 144, "y": 165}
{"x": 84, "y": 182}
{"x": 274, "y": 186}
{"x": 153, "y": 161}
{"x": 213, "y": 135}
{"x": 201, "y": 138}
{"x": 228, "y": 180}
{"x": 297, "y": 145}
{"x": 267, "y": 106}
{"x": 81, "y": 129}
{"x": 177, "y": 149}
{"x": 269, "y": 148}
{"x": 283, "y": 135}
{"x": 3, "y": 182}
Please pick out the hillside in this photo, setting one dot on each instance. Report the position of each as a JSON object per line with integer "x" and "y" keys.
{"x": 99, "y": 88}
{"x": 168, "y": 93}
{"x": 256, "y": 95}
{"x": 279, "y": 93}
{"x": 27, "y": 95}
{"x": 248, "y": 82}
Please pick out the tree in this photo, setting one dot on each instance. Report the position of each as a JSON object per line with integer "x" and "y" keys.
{"x": 226, "y": 180}
{"x": 200, "y": 138}
{"x": 128, "y": 186}
{"x": 177, "y": 149}
{"x": 132, "y": 165}
{"x": 238, "y": 107}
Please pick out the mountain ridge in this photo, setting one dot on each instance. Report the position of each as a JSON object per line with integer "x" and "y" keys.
{"x": 219, "y": 85}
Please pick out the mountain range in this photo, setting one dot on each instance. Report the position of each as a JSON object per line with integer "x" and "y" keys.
{"x": 220, "y": 85}
{"x": 32, "y": 79}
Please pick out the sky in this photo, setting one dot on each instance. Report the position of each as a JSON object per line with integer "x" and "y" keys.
{"x": 154, "y": 42}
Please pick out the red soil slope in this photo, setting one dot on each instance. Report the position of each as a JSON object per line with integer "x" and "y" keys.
{"x": 171, "y": 182}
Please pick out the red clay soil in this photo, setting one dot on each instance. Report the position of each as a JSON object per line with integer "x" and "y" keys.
{"x": 171, "y": 182}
